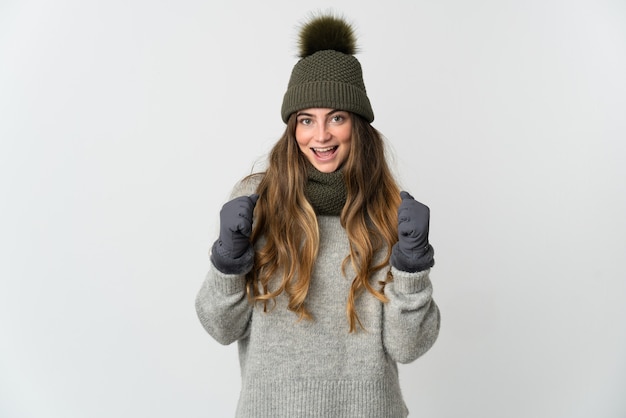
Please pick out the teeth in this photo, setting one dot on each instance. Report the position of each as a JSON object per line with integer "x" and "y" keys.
{"x": 323, "y": 149}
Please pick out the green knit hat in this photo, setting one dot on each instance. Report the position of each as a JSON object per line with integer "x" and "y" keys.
{"x": 327, "y": 74}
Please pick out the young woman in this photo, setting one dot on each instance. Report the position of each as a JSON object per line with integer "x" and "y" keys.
{"x": 321, "y": 268}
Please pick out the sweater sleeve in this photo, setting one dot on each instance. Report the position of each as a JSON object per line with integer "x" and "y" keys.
{"x": 411, "y": 317}
{"x": 222, "y": 306}
{"x": 221, "y": 303}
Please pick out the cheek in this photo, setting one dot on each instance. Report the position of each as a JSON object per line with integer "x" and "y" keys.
{"x": 346, "y": 136}
{"x": 346, "y": 150}
{"x": 300, "y": 138}
{"x": 301, "y": 145}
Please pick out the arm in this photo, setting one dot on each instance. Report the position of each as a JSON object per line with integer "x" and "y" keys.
{"x": 222, "y": 306}
{"x": 221, "y": 303}
{"x": 411, "y": 317}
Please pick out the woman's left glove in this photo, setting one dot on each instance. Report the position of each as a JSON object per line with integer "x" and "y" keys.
{"x": 412, "y": 252}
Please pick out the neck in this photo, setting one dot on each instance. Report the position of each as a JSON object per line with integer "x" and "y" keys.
{"x": 326, "y": 191}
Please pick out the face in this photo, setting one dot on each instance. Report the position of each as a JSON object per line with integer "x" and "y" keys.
{"x": 324, "y": 137}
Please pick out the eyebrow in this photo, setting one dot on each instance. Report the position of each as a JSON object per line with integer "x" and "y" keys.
{"x": 327, "y": 114}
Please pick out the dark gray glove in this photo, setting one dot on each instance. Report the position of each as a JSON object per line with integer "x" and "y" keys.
{"x": 412, "y": 252}
{"x": 236, "y": 226}
{"x": 232, "y": 252}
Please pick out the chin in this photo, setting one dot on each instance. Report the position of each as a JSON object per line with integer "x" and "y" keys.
{"x": 326, "y": 168}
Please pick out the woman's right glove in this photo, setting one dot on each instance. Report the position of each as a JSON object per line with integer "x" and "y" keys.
{"x": 233, "y": 253}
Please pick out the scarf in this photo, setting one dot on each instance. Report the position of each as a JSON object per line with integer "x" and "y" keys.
{"x": 326, "y": 191}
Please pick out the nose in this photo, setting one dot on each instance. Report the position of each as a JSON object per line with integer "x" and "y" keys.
{"x": 323, "y": 133}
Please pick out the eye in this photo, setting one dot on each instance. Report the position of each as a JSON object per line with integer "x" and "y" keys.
{"x": 305, "y": 121}
{"x": 338, "y": 118}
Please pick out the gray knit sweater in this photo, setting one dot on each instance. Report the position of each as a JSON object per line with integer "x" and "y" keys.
{"x": 292, "y": 368}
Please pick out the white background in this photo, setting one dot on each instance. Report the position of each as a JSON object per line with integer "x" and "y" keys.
{"x": 124, "y": 124}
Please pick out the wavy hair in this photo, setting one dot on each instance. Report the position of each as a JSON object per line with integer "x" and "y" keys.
{"x": 369, "y": 218}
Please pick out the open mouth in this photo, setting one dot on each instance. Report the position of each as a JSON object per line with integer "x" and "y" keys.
{"x": 326, "y": 152}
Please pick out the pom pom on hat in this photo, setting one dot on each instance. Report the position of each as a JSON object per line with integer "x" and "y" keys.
{"x": 327, "y": 74}
{"x": 326, "y": 32}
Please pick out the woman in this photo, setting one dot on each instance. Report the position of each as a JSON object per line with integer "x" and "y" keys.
{"x": 321, "y": 268}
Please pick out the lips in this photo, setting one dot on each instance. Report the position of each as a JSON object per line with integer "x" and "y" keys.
{"x": 326, "y": 152}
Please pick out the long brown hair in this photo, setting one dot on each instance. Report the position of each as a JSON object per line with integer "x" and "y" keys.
{"x": 369, "y": 218}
